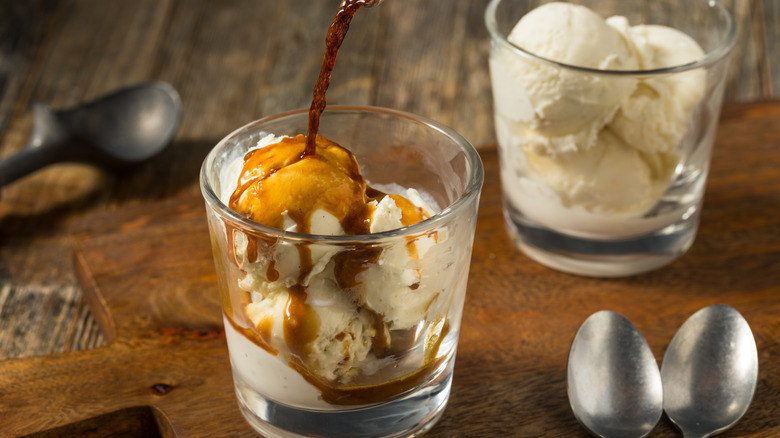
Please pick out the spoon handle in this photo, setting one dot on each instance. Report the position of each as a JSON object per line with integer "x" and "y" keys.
{"x": 43, "y": 149}
{"x": 22, "y": 163}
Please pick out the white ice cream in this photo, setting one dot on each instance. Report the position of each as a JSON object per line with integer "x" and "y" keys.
{"x": 601, "y": 144}
{"x": 656, "y": 116}
{"x": 569, "y": 108}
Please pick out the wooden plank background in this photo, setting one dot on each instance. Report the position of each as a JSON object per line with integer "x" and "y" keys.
{"x": 232, "y": 61}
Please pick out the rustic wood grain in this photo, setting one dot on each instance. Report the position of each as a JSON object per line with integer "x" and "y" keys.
{"x": 237, "y": 60}
{"x": 148, "y": 274}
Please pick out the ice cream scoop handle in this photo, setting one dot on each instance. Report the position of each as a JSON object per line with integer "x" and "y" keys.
{"x": 23, "y": 163}
{"x": 46, "y": 146}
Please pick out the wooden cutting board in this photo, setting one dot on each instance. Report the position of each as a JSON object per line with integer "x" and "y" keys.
{"x": 148, "y": 275}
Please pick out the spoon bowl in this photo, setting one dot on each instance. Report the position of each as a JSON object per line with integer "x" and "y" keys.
{"x": 613, "y": 381}
{"x": 709, "y": 372}
{"x": 118, "y": 130}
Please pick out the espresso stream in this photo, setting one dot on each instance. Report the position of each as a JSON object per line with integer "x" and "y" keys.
{"x": 336, "y": 33}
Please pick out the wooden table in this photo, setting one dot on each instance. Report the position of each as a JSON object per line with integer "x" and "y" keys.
{"x": 235, "y": 61}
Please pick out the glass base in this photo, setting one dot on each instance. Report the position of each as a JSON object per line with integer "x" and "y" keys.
{"x": 601, "y": 258}
{"x": 411, "y": 415}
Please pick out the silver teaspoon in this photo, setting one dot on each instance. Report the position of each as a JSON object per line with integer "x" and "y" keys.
{"x": 122, "y": 128}
{"x": 709, "y": 372}
{"x": 613, "y": 381}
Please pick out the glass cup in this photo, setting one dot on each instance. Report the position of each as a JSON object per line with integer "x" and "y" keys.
{"x": 603, "y": 167}
{"x": 369, "y": 353}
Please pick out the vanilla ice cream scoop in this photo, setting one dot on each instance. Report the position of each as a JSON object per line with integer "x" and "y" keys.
{"x": 610, "y": 178}
{"x": 655, "y": 118}
{"x": 339, "y": 335}
{"x": 569, "y": 107}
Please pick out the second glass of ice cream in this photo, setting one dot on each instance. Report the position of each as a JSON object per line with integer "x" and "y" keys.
{"x": 605, "y": 120}
{"x": 343, "y": 320}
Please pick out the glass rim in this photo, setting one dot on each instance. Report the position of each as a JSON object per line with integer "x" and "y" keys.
{"x": 709, "y": 58}
{"x": 472, "y": 189}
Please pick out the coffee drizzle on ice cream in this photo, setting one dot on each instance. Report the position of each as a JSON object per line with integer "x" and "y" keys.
{"x": 300, "y": 322}
{"x": 358, "y": 394}
{"x": 292, "y": 161}
{"x": 368, "y": 394}
{"x": 280, "y": 183}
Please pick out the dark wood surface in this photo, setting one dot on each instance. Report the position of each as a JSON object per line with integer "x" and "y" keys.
{"x": 234, "y": 61}
{"x": 147, "y": 273}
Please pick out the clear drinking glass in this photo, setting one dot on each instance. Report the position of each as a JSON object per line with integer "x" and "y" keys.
{"x": 407, "y": 295}
{"x": 603, "y": 170}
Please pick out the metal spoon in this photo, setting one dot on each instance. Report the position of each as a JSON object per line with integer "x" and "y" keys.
{"x": 123, "y": 128}
{"x": 709, "y": 372}
{"x": 613, "y": 381}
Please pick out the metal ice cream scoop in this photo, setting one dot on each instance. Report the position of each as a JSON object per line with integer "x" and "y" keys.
{"x": 122, "y": 128}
